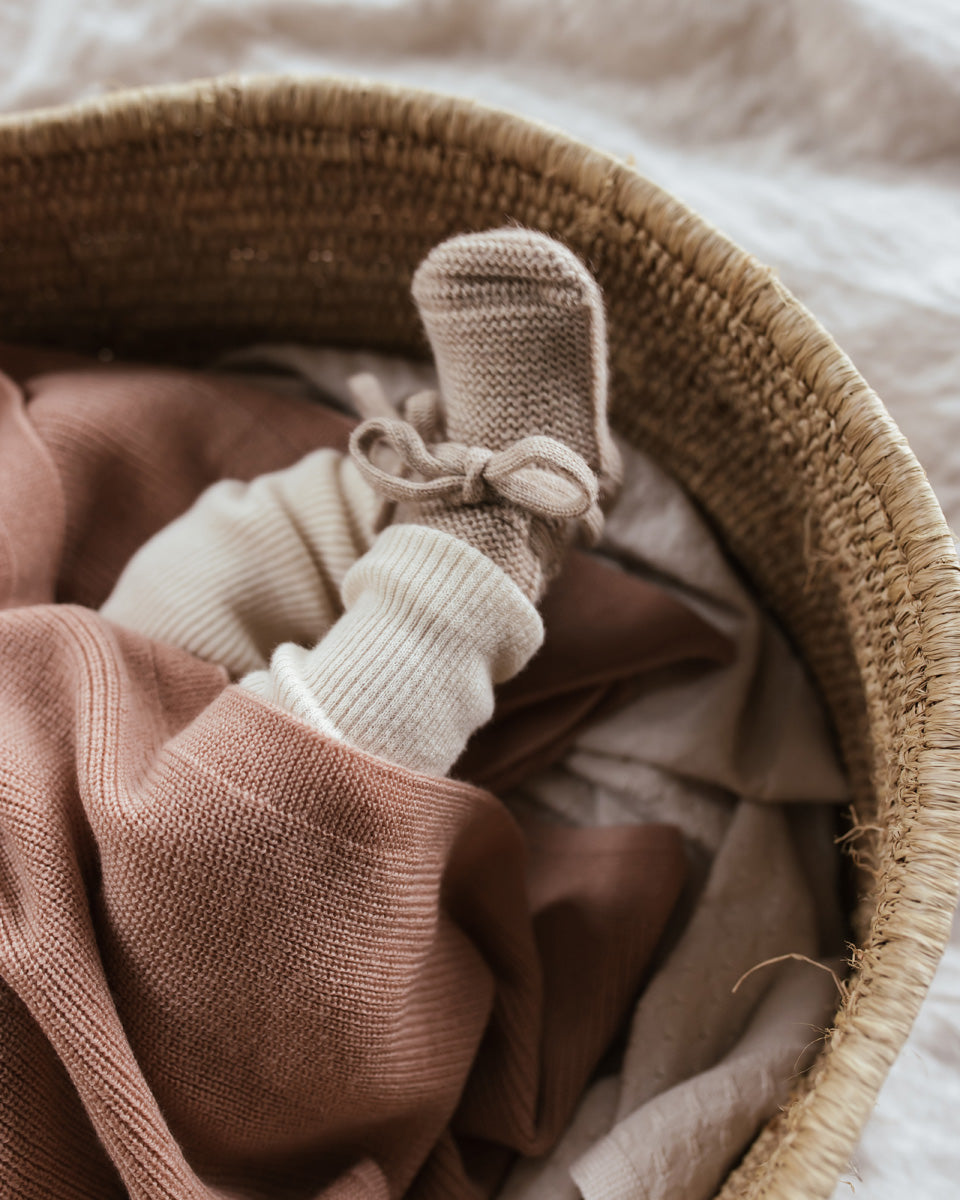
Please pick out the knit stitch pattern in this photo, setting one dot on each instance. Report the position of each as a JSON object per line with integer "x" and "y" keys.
{"x": 516, "y": 325}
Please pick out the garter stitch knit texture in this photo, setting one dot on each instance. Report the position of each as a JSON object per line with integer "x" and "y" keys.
{"x": 516, "y": 325}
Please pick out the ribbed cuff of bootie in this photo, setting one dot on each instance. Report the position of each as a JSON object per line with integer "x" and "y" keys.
{"x": 408, "y": 672}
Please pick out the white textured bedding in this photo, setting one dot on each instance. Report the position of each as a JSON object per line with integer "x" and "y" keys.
{"x": 823, "y": 135}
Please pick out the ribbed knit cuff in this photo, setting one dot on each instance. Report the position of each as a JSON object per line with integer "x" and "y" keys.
{"x": 408, "y": 672}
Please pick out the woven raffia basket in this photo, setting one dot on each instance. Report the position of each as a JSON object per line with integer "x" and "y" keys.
{"x": 170, "y": 224}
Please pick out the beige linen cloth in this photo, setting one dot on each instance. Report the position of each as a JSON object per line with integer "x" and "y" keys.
{"x": 740, "y": 759}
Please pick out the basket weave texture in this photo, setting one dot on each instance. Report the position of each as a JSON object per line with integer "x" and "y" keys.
{"x": 172, "y": 223}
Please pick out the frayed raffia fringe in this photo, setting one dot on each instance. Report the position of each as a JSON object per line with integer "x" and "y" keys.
{"x": 177, "y": 222}
{"x": 796, "y": 957}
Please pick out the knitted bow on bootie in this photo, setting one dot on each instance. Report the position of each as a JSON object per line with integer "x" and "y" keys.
{"x": 538, "y": 474}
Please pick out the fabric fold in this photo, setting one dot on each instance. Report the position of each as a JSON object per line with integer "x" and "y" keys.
{"x": 239, "y": 958}
{"x": 267, "y": 961}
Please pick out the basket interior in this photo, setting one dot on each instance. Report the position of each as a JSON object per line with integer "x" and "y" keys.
{"x": 177, "y": 225}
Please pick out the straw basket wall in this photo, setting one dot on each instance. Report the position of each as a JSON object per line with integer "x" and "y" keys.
{"x": 169, "y": 224}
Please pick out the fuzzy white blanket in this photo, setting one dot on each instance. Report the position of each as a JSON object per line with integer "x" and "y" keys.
{"x": 823, "y": 135}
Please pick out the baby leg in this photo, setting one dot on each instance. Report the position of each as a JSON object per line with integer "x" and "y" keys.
{"x": 442, "y": 606}
{"x": 407, "y": 673}
{"x": 251, "y": 565}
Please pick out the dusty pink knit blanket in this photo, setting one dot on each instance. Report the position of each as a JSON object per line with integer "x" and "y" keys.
{"x": 238, "y": 959}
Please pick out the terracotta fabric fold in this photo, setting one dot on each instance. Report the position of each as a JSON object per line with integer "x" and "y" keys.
{"x": 239, "y": 959}
{"x": 265, "y": 961}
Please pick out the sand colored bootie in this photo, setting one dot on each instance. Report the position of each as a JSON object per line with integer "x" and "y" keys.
{"x": 514, "y": 453}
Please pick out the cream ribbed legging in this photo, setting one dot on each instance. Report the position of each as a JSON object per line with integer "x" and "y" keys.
{"x": 390, "y": 642}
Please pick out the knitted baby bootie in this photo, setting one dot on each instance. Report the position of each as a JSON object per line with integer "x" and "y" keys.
{"x": 515, "y": 453}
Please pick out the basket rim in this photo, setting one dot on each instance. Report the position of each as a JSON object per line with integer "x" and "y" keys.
{"x": 802, "y": 1153}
